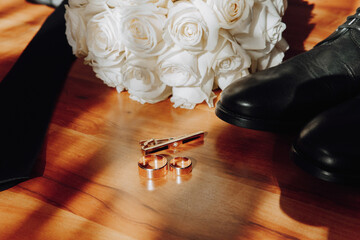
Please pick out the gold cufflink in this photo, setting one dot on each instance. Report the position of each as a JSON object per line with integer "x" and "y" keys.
{"x": 156, "y": 166}
{"x": 180, "y": 166}
{"x": 153, "y": 166}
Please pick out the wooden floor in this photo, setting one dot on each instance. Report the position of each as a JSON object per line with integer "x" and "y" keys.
{"x": 243, "y": 185}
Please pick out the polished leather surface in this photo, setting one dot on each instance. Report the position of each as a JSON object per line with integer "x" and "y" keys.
{"x": 299, "y": 88}
{"x": 28, "y": 95}
{"x": 331, "y": 143}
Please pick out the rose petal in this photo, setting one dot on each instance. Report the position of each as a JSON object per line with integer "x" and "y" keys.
{"x": 188, "y": 97}
{"x": 211, "y": 22}
{"x": 180, "y": 69}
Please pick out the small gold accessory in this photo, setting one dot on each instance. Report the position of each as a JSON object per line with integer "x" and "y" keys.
{"x": 153, "y": 166}
{"x": 180, "y": 166}
{"x": 155, "y": 145}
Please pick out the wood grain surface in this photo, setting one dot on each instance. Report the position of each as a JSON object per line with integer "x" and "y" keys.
{"x": 243, "y": 184}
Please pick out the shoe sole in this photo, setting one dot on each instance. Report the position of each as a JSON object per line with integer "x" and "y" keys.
{"x": 254, "y": 123}
{"x": 329, "y": 176}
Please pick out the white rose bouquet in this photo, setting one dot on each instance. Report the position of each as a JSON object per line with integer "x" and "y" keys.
{"x": 184, "y": 48}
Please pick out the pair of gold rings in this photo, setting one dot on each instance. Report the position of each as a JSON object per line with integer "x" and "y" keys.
{"x": 155, "y": 166}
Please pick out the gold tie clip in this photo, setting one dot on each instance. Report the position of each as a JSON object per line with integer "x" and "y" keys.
{"x": 155, "y": 145}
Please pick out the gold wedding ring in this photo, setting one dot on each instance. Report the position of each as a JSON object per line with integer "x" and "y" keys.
{"x": 153, "y": 166}
{"x": 180, "y": 165}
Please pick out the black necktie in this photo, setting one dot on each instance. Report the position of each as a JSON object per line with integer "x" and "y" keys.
{"x": 28, "y": 95}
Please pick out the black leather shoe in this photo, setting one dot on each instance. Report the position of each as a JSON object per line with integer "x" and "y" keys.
{"x": 287, "y": 96}
{"x": 329, "y": 146}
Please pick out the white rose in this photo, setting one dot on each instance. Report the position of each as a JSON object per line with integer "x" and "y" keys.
{"x": 141, "y": 30}
{"x": 157, "y": 3}
{"x": 76, "y": 30}
{"x": 273, "y": 58}
{"x": 255, "y": 39}
{"x": 78, "y": 3}
{"x": 98, "y": 2}
{"x": 161, "y": 3}
{"x": 281, "y": 6}
{"x": 193, "y": 26}
{"x": 188, "y": 97}
{"x": 142, "y": 81}
{"x": 274, "y": 29}
{"x": 224, "y": 80}
{"x": 102, "y": 39}
{"x": 111, "y": 76}
{"x": 231, "y": 62}
{"x": 233, "y": 13}
{"x": 265, "y": 31}
{"x": 95, "y": 7}
{"x": 77, "y": 15}
{"x": 179, "y": 68}
{"x": 124, "y": 3}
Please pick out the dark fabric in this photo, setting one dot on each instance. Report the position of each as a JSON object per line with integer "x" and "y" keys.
{"x": 28, "y": 95}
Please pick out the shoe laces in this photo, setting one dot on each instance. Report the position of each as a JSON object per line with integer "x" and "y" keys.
{"x": 350, "y": 20}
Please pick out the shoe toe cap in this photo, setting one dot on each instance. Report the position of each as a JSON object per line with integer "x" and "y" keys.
{"x": 254, "y": 97}
{"x": 326, "y": 146}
